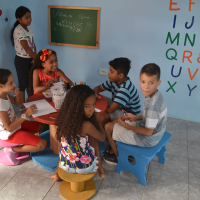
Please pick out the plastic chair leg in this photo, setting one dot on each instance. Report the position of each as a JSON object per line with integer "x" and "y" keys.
{"x": 141, "y": 178}
{"x": 118, "y": 169}
{"x": 139, "y": 169}
{"x": 161, "y": 155}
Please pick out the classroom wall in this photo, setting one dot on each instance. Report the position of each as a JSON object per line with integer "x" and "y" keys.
{"x": 7, "y": 52}
{"x": 137, "y": 30}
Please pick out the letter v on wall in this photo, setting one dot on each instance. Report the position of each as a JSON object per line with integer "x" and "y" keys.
{"x": 191, "y": 77}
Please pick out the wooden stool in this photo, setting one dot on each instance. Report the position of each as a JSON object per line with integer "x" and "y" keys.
{"x": 76, "y": 186}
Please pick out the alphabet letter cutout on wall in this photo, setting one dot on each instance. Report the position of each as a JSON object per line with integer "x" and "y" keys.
{"x": 188, "y": 57}
{"x": 191, "y": 89}
{"x": 178, "y": 73}
{"x": 170, "y": 6}
{"x": 171, "y": 86}
{"x": 171, "y": 53}
{"x": 172, "y": 57}
{"x": 191, "y": 77}
{"x": 188, "y": 27}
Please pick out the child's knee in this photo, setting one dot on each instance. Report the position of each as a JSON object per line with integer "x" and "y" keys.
{"x": 106, "y": 127}
{"x": 109, "y": 128}
{"x": 41, "y": 127}
{"x": 105, "y": 118}
{"x": 42, "y": 144}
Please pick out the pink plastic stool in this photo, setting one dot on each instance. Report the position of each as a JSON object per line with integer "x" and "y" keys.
{"x": 4, "y": 160}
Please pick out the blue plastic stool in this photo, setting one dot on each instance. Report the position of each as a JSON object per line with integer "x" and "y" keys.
{"x": 46, "y": 158}
{"x": 142, "y": 156}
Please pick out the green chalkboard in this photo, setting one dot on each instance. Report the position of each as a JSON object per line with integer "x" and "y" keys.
{"x": 74, "y": 26}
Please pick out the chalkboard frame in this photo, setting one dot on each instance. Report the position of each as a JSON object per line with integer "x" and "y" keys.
{"x": 76, "y": 7}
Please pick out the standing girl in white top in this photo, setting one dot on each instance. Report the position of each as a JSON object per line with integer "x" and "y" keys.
{"x": 15, "y": 130}
{"x": 23, "y": 40}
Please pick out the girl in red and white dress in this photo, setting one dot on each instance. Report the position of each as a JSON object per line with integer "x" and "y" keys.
{"x": 45, "y": 72}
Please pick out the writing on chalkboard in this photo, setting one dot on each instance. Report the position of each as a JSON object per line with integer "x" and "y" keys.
{"x": 74, "y": 26}
{"x": 60, "y": 14}
{"x": 71, "y": 25}
{"x": 83, "y": 17}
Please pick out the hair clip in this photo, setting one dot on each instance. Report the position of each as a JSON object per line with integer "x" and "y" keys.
{"x": 73, "y": 84}
{"x": 46, "y": 53}
{"x": 81, "y": 83}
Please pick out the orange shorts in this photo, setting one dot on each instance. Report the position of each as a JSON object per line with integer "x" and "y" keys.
{"x": 23, "y": 135}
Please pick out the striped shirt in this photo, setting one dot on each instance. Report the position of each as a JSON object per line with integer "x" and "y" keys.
{"x": 154, "y": 115}
{"x": 125, "y": 95}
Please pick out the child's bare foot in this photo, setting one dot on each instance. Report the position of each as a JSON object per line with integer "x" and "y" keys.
{"x": 101, "y": 172}
{"x": 55, "y": 177}
{"x": 109, "y": 150}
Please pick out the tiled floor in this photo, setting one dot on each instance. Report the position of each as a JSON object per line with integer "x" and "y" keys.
{"x": 177, "y": 179}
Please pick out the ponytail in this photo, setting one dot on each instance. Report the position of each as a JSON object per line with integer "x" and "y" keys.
{"x": 30, "y": 81}
{"x": 19, "y": 13}
{"x": 12, "y": 31}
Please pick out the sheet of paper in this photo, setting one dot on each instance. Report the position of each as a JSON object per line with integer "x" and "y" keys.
{"x": 47, "y": 93}
{"x": 43, "y": 107}
{"x": 97, "y": 110}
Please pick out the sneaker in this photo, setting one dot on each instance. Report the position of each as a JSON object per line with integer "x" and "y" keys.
{"x": 110, "y": 158}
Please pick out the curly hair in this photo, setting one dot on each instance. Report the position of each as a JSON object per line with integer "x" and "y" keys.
{"x": 37, "y": 65}
{"x": 71, "y": 115}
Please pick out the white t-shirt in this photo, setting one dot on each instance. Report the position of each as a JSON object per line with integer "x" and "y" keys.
{"x": 5, "y": 105}
{"x": 21, "y": 34}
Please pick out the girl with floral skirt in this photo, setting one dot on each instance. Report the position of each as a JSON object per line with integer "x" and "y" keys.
{"x": 79, "y": 130}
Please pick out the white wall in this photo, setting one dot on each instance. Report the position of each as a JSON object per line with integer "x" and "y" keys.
{"x": 137, "y": 30}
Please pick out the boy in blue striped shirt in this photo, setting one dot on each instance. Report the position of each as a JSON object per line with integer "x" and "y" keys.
{"x": 124, "y": 93}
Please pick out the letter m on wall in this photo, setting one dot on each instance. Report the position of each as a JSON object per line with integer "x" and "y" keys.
{"x": 172, "y": 41}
